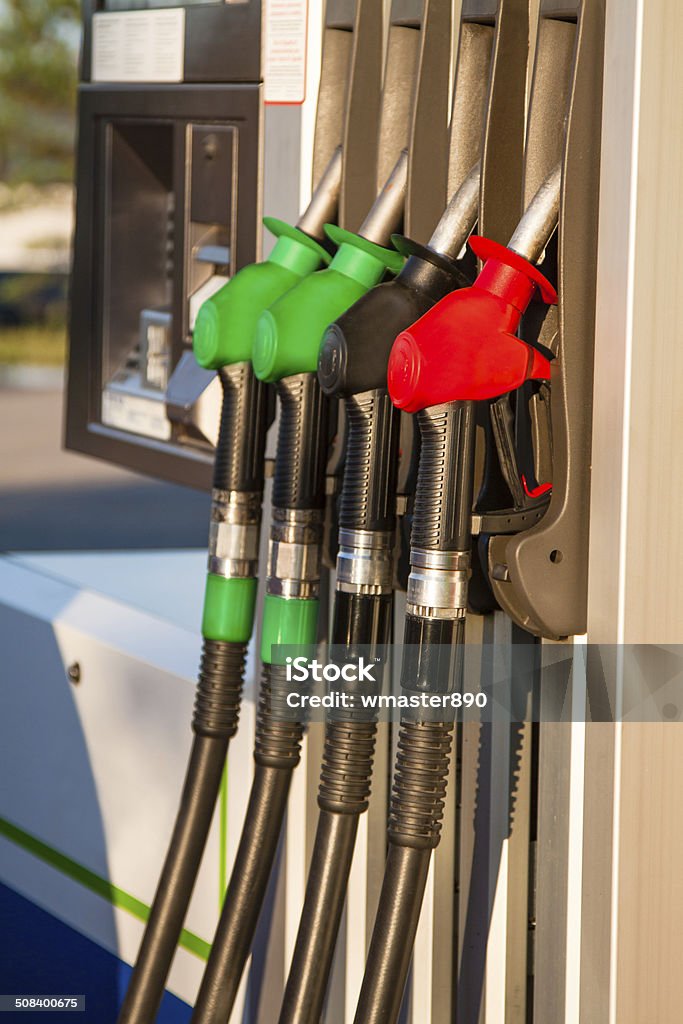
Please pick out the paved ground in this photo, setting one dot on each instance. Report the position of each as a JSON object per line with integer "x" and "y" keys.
{"x": 51, "y": 500}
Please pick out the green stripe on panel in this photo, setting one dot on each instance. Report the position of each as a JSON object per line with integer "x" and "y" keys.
{"x": 223, "y": 839}
{"x": 89, "y": 880}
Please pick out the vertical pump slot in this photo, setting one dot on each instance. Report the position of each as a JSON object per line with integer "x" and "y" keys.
{"x": 539, "y": 576}
{"x": 469, "y": 100}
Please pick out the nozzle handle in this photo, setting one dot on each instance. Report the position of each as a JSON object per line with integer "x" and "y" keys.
{"x": 465, "y": 348}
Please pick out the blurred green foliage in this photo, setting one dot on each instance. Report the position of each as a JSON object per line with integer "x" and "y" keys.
{"x": 33, "y": 346}
{"x": 32, "y": 298}
{"x": 38, "y": 78}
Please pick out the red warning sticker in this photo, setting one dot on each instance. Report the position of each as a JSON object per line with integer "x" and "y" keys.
{"x": 286, "y": 23}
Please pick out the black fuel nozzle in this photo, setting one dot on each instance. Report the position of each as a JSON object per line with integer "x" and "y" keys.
{"x": 355, "y": 351}
{"x": 352, "y": 364}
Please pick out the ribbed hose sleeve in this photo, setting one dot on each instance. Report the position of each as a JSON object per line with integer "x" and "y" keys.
{"x": 219, "y": 689}
{"x": 346, "y": 773}
{"x": 419, "y": 788}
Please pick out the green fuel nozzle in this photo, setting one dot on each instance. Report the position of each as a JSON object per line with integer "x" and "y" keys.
{"x": 286, "y": 346}
{"x": 289, "y": 333}
{"x": 225, "y": 326}
{"x": 223, "y": 338}
{"x": 224, "y": 330}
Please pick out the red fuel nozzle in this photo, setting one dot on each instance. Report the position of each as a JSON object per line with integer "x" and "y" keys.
{"x": 465, "y": 348}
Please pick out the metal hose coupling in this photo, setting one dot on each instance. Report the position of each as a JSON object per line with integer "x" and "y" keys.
{"x": 437, "y": 585}
{"x": 234, "y": 533}
{"x": 294, "y": 553}
{"x": 365, "y": 562}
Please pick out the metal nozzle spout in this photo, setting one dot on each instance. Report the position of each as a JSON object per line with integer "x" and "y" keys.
{"x": 459, "y": 217}
{"x": 387, "y": 210}
{"x": 539, "y": 220}
{"x": 324, "y": 203}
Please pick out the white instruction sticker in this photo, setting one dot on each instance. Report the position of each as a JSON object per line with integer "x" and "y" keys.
{"x": 139, "y": 46}
{"x": 135, "y": 414}
{"x": 286, "y": 23}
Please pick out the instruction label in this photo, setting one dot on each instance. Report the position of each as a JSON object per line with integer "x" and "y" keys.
{"x": 139, "y": 46}
{"x": 286, "y": 23}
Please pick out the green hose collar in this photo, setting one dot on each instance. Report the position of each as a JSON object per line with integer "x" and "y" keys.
{"x": 287, "y": 621}
{"x": 229, "y": 609}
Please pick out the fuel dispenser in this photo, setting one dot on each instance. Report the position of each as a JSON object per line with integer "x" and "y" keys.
{"x": 286, "y": 344}
{"x": 430, "y": 390}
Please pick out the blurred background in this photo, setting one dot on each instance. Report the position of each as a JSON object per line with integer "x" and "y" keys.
{"x": 50, "y": 499}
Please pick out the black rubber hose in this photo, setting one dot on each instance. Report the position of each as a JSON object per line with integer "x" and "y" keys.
{"x": 243, "y": 900}
{"x": 360, "y": 622}
{"x": 432, "y": 663}
{"x": 417, "y": 804}
{"x": 202, "y": 781}
{"x": 344, "y": 793}
{"x": 335, "y": 840}
{"x": 238, "y": 467}
{"x": 197, "y": 803}
{"x": 277, "y": 752}
{"x": 391, "y": 946}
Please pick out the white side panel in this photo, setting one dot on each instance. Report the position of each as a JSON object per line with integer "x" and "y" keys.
{"x": 94, "y": 771}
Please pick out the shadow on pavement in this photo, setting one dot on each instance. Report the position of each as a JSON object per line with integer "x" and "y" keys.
{"x": 103, "y": 518}
{"x": 52, "y": 500}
